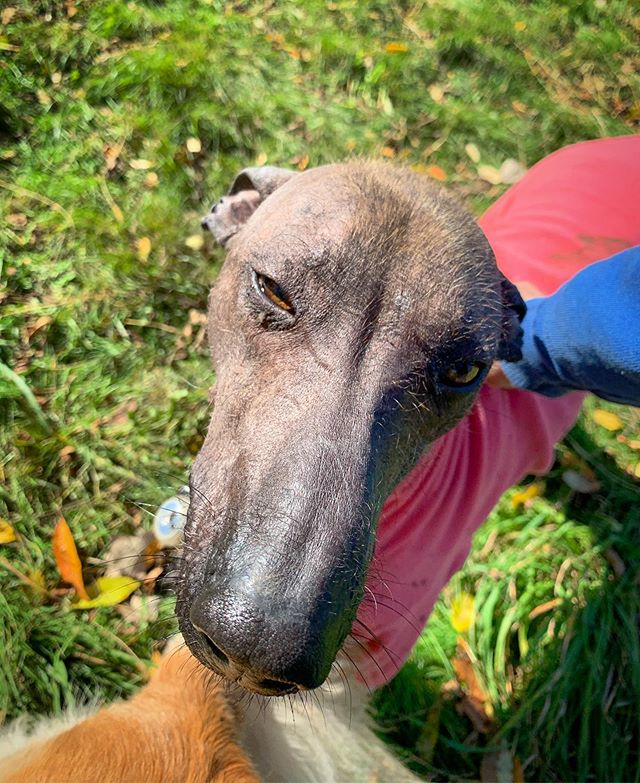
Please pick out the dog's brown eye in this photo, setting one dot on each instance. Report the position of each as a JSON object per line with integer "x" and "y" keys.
{"x": 463, "y": 374}
{"x": 273, "y": 292}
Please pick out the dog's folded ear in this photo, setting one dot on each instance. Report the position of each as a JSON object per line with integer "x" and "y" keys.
{"x": 248, "y": 190}
{"x": 513, "y": 311}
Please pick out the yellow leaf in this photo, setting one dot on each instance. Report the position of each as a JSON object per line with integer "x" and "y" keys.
{"x": 141, "y": 164}
{"x": 462, "y": 612}
{"x": 636, "y": 472}
{"x": 520, "y": 26}
{"x": 7, "y": 14}
{"x": 194, "y": 145}
{"x": 388, "y": 152}
{"x": 436, "y": 93}
{"x": 7, "y": 533}
{"x": 143, "y": 248}
{"x": 151, "y": 180}
{"x": 473, "y": 152}
{"x": 610, "y": 421}
{"x": 522, "y": 497}
{"x": 66, "y": 556}
{"x": 394, "y": 47}
{"x": 108, "y": 591}
{"x": 194, "y": 242}
{"x": 489, "y": 174}
{"x": 117, "y": 213}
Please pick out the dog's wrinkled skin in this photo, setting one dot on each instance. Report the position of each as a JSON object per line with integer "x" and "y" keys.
{"x": 321, "y": 409}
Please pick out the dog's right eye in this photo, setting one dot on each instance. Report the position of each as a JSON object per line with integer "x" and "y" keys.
{"x": 270, "y": 290}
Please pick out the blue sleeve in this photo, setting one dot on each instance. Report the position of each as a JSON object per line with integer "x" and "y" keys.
{"x": 586, "y": 335}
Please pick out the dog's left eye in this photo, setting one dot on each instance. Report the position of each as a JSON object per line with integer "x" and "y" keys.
{"x": 273, "y": 292}
{"x": 462, "y": 374}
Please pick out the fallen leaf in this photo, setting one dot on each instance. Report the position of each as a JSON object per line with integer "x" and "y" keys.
{"x": 108, "y": 591}
{"x": 7, "y": 533}
{"x": 111, "y": 153}
{"x": 436, "y": 172}
{"x": 127, "y": 556}
{"x": 66, "y": 557}
{"x": 474, "y": 701}
{"x": 43, "y": 98}
{"x": 39, "y": 323}
{"x": 388, "y": 152}
{"x": 261, "y": 159}
{"x": 520, "y": 26}
{"x": 7, "y": 14}
{"x": 489, "y": 174}
{"x": 584, "y": 483}
{"x": 462, "y": 612}
{"x": 524, "y": 496}
{"x": 302, "y": 163}
{"x": 511, "y": 171}
{"x": 141, "y": 164}
{"x": 610, "y": 421}
{"x": 473, "y": 152}
{"x": 17, "y": 220}
{"x": 615, "y": 561}
{"x": 143, "y": 248}
{"x": 56, "y": 78}
{"x": 194, "y": 145}
{"x": 151, "y": 180}
{"x": 501, "y": 766}
{"x": 394, "y": 47}
{"x": 194, "y": 242}
{"x": 436, "y": 93}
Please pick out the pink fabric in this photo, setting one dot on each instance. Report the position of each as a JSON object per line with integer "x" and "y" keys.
{"x": 575, "y": 207}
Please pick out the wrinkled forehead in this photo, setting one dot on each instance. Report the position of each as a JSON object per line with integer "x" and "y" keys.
{"x": 309, "y": 215}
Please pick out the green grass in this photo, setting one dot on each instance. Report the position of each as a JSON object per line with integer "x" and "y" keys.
{"x": 87, "y": 326}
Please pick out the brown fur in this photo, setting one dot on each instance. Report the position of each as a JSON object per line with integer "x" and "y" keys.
{"x": 181, "y": 728}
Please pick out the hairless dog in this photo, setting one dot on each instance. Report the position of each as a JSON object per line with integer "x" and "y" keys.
{"x": 356, "y": 315}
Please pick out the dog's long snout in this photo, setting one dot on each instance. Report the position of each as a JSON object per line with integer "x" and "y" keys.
{"x": 266, "y": 651}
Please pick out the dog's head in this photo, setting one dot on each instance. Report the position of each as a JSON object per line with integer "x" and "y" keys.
{"x": 353, "y": 322}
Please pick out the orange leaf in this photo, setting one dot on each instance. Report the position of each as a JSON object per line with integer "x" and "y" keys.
{"x": 67, "y": 560}
{"x": 395, "y": 47}
{"x": 436, "y": 172}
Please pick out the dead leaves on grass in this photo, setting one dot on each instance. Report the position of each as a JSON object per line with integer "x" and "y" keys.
{"x": 67, "y": 559}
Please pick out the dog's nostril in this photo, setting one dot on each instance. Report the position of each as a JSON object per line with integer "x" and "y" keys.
{"x": 215, "y": 650}
{"x": 277, "y": 686}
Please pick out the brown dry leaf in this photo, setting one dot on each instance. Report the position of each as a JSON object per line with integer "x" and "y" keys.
{"x": 436, "y": 172}
{"x": 151, "y": 180}
{"x": 474, "y": 702}
{"x": 17, "y": 219}
{"x": 120, "y": 415}
{"x": 615, "y": 561}
{"x": 141, "y": 164}
{"x": 395, "y": 46}
{"x": 38, "y": 324}
{"x": 71, "y": 9}
{"x": 489, "y": 174}
{"x": 473, "y": 152}
{"x": 303, "y": 163}
{"x": 501, "y": 766}
{"x": 610, "y": 421}
{"x": 584, "y": 482}
{"x": 194, "y": 145}
{"x": 194, "y": 242}
{"x": 7, "y": 533}
{"x": 143, "y": 248}
{"x": 66, "y": 557}
{"x": 111, "y": 153}
{"x": 388, "y": 152}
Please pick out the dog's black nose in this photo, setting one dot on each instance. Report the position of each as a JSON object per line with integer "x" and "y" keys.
{"x": 270, "y": 650}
